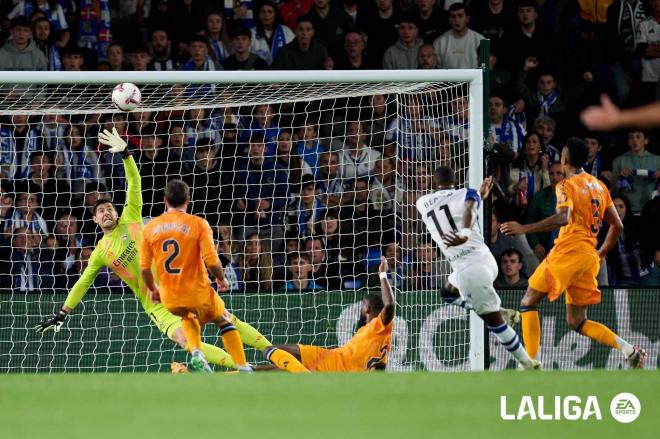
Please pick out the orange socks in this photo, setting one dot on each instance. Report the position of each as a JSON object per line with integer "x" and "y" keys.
{"x": 284, "y": 360}
{"x": 233, "y": 344}
{"x": 599, "y": 332}
{"x": 531, "y": 329}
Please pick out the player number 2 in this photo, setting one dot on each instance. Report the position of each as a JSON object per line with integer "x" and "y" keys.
{"x": 168, "y": 262}
{"x": 434, "y": 217}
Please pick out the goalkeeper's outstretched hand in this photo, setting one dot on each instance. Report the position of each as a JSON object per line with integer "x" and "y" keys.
{"x": 113, "y": 140}
{"x": 53, "y": 322}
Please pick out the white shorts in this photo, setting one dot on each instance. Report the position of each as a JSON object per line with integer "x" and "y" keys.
{"x": 474, "y": 279}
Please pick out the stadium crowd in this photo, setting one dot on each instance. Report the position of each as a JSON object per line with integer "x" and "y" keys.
{"x": 311, "y": 201}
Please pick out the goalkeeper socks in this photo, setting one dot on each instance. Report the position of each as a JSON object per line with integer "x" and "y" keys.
{"x": 249, "y": 335}
{"x": 509, "y": 339}
{"x": 284, "y": 360}
{"x": 192, "y": 330}
{"x": 217, "y": 356}
{"x": 531, "y": 329}
{"x": 603, "y": 335}
{"x": 233, "y": 344}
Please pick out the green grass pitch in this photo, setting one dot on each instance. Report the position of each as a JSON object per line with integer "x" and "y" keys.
{"x": 345, "y": 406}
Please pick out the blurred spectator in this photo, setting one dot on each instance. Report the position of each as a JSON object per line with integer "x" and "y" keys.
{"x": 72, "y": 59}
{"x": 54, "y": 193}
{"x": 457, "y": 122}
{"x": 20, "y": 51}
{"x": 545, "y": 127}
{"x": 180, "y": 156}
{"x": 188, "y": 19}
{"x": 240, "y": 12}
{"x": 526, "y": 41}
{"x": 68, "y": 242}
{"x": 198, "y": 126}
{"x": 398, "y": 272}
{"x": 140, "y": 58}
{"x": 226, "y": 253}
{"x": 427, "y": 58}
{"x": 332, "y": 189}
{"x": 492, "y": 19}
{"x": 304, "y": 211}
{"x": 498, "y": 241}
{"x": 309, "y": 148}
{"x": 30, "y": 268}
{"x": 161, "y": 47}
{"x": 415, "y": 132}
{"x": 428, "y": 270}
{"x": 542, "y": 206}
{"x": 331, "y": 25}
{"x": 503, "y": 130}
{"x": 26, "y": 215}
{"x": 291, "y": 10}
{"x": 78, "y": 163}
{"x": 269, "y": 35}
{"x": 263, "y": 124}
{"x": 624, "y": 262}
{"x": 259, "y": 190}
{"x": 52, "y": 11}
{"x": 529, "y": 172}
{"x": 636, "y": 171}
{"x": 328, "y": 228}
{"x": 200, "y": 58}
{"x": 288, "y": 161}
{"x": 116, "y": 58}
{"x": 499, "y": 77}
{"x": 326, "y": 272}
{"x": 377, "y": 118}
{"x": 259, "y": 271}
{"x": 6, "y": 205}
{"x": 623, "y": 18}
{"x": 300, "y": 268}
{"x": 648, "y": 48}
{"x": 354, "y": 56}
{"x": 595, "y": 164}
{"x": 380, "y": 25}
{"x": 52, "y": 130}
{"x": 511, "y": 270}
{"x": 94, "y": 28}
{"x": 303, "y": 53}
{"x": 208, "y": 200}
{"x": 242, "y": 58}
{"x": 357, "y": 159}
{"x": 651, "y": 243}
{"x": 403, "y": 53}
{"x": 42, "y": 32}
{"x": 431, "y": 20}
{"x": 385, "y": 192}
{"x": 458, "y": 48}
{"x": 153, "y": 172}
{"x": 218, "y": 36}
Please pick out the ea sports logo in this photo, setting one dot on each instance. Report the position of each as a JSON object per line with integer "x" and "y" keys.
{"x": 625, "y": 407}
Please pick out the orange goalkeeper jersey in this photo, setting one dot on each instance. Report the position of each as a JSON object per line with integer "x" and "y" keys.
{"x": 369, "y": 346}
{"x": 587, "y": 198}
{"x": 181, "y": 247}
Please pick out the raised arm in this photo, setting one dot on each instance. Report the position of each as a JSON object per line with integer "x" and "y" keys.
{"x": 611, "y": 217}
{"x": 560, "y": 218}
{"x": 74, "y": 297}
{"x": 133, "y": 208}
{"x": 387, "y": 314}
{"x": 608, "y": 116}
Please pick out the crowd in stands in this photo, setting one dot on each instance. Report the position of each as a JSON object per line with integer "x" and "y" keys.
{"x": 307, "y": 196}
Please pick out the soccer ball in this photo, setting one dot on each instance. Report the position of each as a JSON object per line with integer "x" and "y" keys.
{"x": 126, "y": 96}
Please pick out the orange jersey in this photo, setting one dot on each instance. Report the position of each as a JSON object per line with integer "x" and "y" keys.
{"x": 369, "y": 346}
{"x": 180, "y": 244}
{"x": 587, "y": 198}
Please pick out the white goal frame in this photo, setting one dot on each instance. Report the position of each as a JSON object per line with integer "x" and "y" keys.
{"x": 472, "y": 76}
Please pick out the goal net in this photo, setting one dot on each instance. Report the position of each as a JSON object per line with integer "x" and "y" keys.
{"x": 306, "y": 178}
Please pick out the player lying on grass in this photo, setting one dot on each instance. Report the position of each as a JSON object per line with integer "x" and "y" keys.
{"x": 118, "y": 250}
{"x": 470, "y": 285}
{"x": 367, "y": 350}
{"x": 572, "y": 265}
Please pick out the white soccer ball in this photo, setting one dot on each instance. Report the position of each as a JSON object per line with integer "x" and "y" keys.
{"x": 126, "y": 96}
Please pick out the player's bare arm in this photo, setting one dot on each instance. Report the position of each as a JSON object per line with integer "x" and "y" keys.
{"x": 218, "y": 272}
{"x": 387, "y": 314}
{"x": 559, "y": 219}
{"x": 608, "y": 116}
{"x": 148, "y": 278}
{"x": 612, "y": 218}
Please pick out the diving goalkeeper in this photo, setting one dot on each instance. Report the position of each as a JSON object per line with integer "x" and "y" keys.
{"x": 118, "y": 250}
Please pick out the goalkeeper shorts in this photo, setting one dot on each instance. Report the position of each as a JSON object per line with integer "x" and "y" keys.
{"x": 165, "y": 321}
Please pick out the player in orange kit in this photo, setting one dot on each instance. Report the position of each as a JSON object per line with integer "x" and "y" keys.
{"x": 181, "y": 247}
{"x": 369, "y": 347}
{"x": 573, "y": 263}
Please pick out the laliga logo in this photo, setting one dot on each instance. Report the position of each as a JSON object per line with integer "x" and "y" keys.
{"x": 625, "y": 408}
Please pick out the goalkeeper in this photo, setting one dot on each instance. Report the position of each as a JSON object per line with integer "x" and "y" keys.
{"x": 118, "y": 250}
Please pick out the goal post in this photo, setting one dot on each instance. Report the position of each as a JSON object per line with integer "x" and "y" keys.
{"x": 429, "y": 117}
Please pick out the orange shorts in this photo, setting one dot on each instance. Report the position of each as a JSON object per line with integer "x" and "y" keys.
{"x": 204, "y": 312}
{"x": 319, "y": 359}
{"x": 573, "y": 272}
